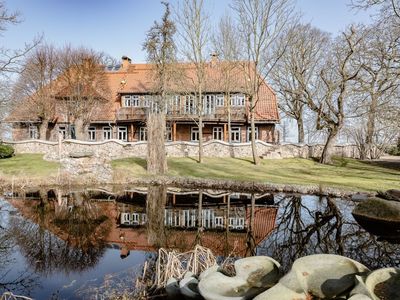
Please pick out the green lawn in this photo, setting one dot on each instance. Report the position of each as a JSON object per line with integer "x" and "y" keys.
{"x": 27, "y": 165}
{"x": 348, "y": 174}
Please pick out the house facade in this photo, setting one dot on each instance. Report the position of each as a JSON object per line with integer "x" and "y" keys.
{"x": 122, "y": 115}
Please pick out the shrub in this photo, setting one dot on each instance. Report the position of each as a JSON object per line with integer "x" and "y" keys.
{"x": 395, "y": 150}
{"x": 6, "y": 151}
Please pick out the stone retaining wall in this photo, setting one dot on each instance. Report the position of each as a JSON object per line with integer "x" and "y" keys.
{"x": 114, "y": 149}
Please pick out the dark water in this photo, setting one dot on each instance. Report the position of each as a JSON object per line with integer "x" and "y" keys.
{"x": 92, "y": 245}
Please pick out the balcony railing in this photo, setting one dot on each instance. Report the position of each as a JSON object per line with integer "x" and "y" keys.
{"x": 137, "y": 114}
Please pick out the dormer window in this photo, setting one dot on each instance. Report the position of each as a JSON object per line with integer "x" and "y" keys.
{"x": 135, "y": 100}
{"x": 127, "y": 100}
{"x": 219, "y": 100}
{"x": 131, "y": 100}
{"x": 237, "y": 100}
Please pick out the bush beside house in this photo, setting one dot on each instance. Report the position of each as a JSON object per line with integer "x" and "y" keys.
{"x": 6, "y": 151}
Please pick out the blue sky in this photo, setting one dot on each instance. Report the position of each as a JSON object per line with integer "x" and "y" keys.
{"x": 118, "y": 27}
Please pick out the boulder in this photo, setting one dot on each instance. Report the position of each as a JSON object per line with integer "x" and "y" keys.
{"x": 81, "y": 154}
{"x": 393, "y": 195}
{"x": 253, "y": 276}
{"x": 189, "y": 288}
{"x": 379, "y": 217}
{"x": 172, "y": 289}
{"x": 384, "y": 283}
{"x": 281, "y": 292}
{"x": 327, "y": 275}
{"x": 259, "y": 271}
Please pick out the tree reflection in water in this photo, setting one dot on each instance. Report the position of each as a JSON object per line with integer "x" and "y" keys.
{"x": 307, "y": 225}
{"x": 22, "y": 282}
{"x": 60, "y": 236}
{"x": 155, "y": 209}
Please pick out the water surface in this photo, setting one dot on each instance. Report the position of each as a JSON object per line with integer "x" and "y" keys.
{"x": 90, "y": 244}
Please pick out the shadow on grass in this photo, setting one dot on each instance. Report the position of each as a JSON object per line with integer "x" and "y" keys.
{"x": 140, "y": 162}
{"x": 387, "y": 164}
{"x": 192, "y": 158}
{"x": 249, "y": 160}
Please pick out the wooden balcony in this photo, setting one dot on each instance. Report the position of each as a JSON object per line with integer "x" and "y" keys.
{"x": 139, "y": 114}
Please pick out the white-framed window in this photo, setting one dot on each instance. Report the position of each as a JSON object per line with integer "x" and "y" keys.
{"x": 155, "y": 107}
{"x": 190, "y": 105}
{"x": 194, "y": 133}
{"x": 249, "y": 133}
{"x": 127, "y": 100}
{"x": 235, "y": 134}
{"x": 237, "y": 100}
{"x": 168, "y": 134}
{"x": 72, "y": 132}
{"x": 126, "y": 218}
{"x": 33, "y": 132}
{"x": 219, "y": 222}
{"x": 107, "y": 133}
{"x": 122, "y": 132}
{"x": 135, "y": 101}
{"x": 218, "y": 133}
{"x": 219, "y": 100}
{"x": 135, "y": 219}
{"x": 236, "y": 223}
{"x": 62, "y": 130}
{"x": 174, "y": 104}
{"x": 209, "y": 104}
{"x": 147, "y": 101}
{"x": 142, "y": 133}
{"x": 92, "y": 133}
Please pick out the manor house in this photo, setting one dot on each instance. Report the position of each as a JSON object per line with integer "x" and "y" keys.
{"x": 122, "y": 114}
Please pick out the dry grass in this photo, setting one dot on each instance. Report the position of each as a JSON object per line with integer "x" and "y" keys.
{"x": 174, "y": 264}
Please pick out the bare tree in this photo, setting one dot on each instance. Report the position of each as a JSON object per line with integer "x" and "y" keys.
{"x": 226, "y": 46}
{"x": 390, "y": 7}
{"x": 161, "y": 52}
{"x": 378, "y": 80}
{"x": 36, "y": 85}
{"x": 330, "y": 93}
{"x": 84, "y": 86}
{"x": 10, "y": 60}
{"x": 261, "y": 22}
{"x": 305, "y": 51}
{"x": 194, "y": 31}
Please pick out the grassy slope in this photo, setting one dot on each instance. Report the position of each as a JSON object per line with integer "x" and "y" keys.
{"x": 348, "y": 174}
{"x": 27, "y": 165}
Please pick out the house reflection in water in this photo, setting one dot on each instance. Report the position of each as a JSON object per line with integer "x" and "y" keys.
{"x": 223, "y": 222}
{"x": 219, "y": 221}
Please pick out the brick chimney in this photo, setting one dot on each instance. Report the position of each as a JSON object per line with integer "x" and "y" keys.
{"x": 126, "y": 61}
{"x": 214, "y": 59}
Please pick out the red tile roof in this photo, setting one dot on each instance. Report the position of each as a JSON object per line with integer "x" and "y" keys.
{"x": 137, "y": 78}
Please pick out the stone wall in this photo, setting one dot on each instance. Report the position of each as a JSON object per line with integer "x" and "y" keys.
{"x": 113, "y": 149}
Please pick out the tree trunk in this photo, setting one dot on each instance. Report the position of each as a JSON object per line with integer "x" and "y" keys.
{"x": 156, "y": 157}
{"x": 43, "y": 130}
{"x": 79, "y": 130}
{"x": 370, "y": 128}
{"x": 256, "y": 159}
{"x": 200, "y": 139}
{"x": 200, "y": 112}
{"x": 155, "y": 210}
{"x": 229, "y": 117}
{"x": 250, "y": 240}
{"x": 326, "y": 157}
{"x": 300, "y": 130}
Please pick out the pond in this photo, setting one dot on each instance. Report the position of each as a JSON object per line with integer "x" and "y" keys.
{"x": 94, "y": 244}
